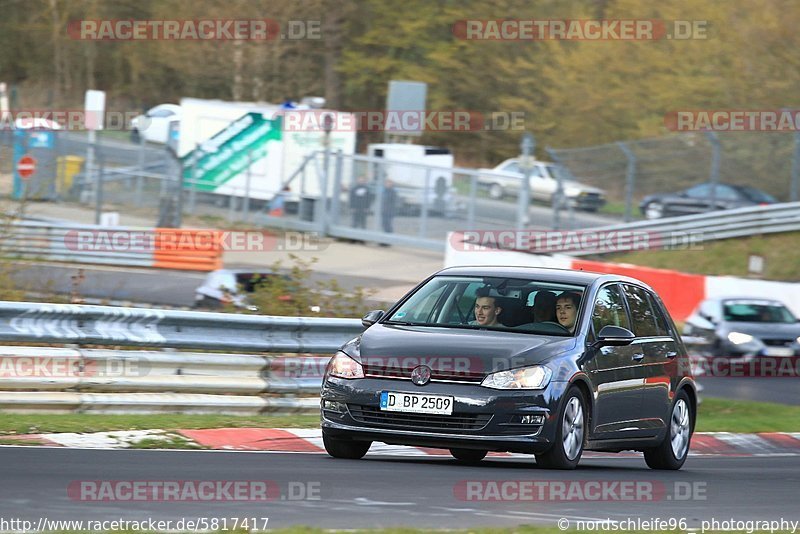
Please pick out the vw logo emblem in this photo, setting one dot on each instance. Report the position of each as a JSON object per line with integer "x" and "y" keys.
{"x": 421, "y": 375}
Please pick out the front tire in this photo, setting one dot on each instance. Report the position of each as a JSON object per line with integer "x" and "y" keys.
{"x": 654, "y": 210}
{"x": 345, "y": 448}
{"x": 496, "y": 191}
{"x": 671, "y": 453}
{"x": 468, "y": 456}
{"x": 570, "y": 434}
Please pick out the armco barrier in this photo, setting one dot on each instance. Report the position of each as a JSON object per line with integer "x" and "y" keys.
{"x": 142, "y": 327}
{"x": 101, "y": 380}
{"x": 76, "y": 379}
{"x": 72, "y": 378}
{"x": 166, "y": 248}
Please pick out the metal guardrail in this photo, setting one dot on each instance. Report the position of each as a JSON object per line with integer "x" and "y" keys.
{"x": 72, "y": 378}
{"x": 693, "y": 229}
{"x": 121, "y": 246}
{"x": 142, "y": 327}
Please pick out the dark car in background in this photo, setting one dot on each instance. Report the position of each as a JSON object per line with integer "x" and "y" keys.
{"x": 742, "y": 327}
{"x": 433, "y": 371}
{"x": 702, "y": 198}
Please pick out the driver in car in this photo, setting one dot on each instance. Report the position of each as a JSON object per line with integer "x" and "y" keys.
{"x": 486, "y": 309}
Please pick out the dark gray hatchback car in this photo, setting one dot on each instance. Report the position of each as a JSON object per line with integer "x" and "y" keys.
{"x": 542, "y": 361}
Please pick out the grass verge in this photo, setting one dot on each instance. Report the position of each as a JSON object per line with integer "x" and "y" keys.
{"x": 725, "y": 257}
{"x": 13, "y": 423}
{"x": 724, "y": 415}
{"x": 715, "y": 415}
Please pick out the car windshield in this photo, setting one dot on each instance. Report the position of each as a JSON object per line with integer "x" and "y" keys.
{"x": 494, "y": 303}
{"x": 560, "y": 172}
{"x": 757, "y": 312}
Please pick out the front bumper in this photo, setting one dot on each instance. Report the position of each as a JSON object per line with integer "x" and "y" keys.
{"x": 586, "y": 201}
{"x": 482, "y": 418}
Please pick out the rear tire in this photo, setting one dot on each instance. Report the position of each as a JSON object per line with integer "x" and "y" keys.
{"x": 345, "y": 448}
{"x": 468, "y": 456}
{"x": 671, "y": 453}
{"x": 570, "y": 434}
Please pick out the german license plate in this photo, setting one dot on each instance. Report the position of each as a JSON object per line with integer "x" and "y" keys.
{"x": 778, "y": 351}
{"x": 416, "y": 403}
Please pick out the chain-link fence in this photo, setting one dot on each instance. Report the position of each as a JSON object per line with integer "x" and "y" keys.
{"x": 374, "y": 198}
{"x": 631, "y": 170}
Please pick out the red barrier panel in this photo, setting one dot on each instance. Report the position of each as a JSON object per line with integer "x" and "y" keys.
{"x": 681, "y": 292}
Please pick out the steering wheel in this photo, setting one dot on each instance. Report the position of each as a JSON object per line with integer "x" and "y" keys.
{"x": 562, "y": 327}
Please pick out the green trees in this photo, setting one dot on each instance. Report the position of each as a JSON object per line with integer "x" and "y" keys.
{"x": 573, "y": 93}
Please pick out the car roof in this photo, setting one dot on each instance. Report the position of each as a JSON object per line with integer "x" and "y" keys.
{"x": 567, "y": 276}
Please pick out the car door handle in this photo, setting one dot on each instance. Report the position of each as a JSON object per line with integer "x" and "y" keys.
{"x": 638, "y": 357}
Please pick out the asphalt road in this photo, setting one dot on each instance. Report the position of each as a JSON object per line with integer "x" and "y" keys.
{"x": 114, "y": 152}
{"x": 783, "y": 390}
{"x": 161, "y": 287}
{"x": 380, "y": 491}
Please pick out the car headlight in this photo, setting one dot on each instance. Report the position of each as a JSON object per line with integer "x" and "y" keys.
{"x": 343, "y": 366}
{"x": 536, "y": 377}
{"x": 738, "y": 338}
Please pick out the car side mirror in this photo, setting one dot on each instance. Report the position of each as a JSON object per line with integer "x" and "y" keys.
{"x": 371, "y": 318}
{"x": 614, "y": 336}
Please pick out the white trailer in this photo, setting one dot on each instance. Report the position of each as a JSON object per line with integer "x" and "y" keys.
{"x": 212, "y": 127}
{"x": 420, "y": 173}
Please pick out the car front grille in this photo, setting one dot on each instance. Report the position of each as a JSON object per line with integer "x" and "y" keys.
{"x": 778, "y": 342}
{"x": 380, "y": 371}
{"x": 416, "y": 421}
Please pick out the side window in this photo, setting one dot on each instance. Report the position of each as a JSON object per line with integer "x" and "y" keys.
{"x": 726, "y": 193}
{"x": 662, "y": 324}
{"x": 699, "y": 191}
{"x": 609, "y": 309}
{"x": 644, "y": 323}
{"x": 511, "y": 167}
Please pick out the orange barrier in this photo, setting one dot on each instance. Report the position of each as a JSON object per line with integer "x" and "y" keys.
{"x": 188, "y": 249}
{"x": 681, "y": 292}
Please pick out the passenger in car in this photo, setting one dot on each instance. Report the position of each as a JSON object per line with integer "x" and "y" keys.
{"x": 567, "y": 309}
{"x": 544, "y": 307}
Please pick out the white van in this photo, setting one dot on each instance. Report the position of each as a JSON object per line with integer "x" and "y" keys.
{"x": 416, "y": 184}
